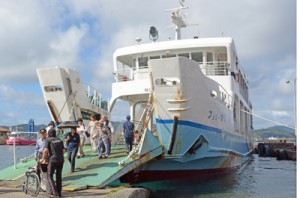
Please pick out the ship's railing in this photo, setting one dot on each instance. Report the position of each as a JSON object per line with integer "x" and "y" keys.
{"x": 130, "y": 74}
{"x": 123, "y": 75}
{"x": 95, "y": 97}
{"x": 217, "y": 68}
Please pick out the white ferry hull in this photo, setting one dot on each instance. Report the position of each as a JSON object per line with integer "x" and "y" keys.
{"x": 194, "y": 144}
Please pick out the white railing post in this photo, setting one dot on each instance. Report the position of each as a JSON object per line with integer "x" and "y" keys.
{"x": 15, "y": 165}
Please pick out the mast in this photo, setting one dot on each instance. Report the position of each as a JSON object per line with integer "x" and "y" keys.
{"x": 178, "y": 19}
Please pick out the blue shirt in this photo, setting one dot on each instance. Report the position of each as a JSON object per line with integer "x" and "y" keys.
{"x": 73, "y": 142}
{"x": 39, "y": 147}
{"x": 128, "y": 129}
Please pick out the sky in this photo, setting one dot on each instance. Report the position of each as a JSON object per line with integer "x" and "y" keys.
{"x": 84, "y": 34}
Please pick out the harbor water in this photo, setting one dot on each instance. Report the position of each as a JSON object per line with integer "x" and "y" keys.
{"x": 261, "y": 177}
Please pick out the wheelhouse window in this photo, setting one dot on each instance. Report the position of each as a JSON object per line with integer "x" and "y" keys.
{"x": 154, "y": 57}
{"x": 143, "y": 62}
{"x": 187, "y": 55}
{"x": 197, "y": 56}
{"x": 168, "y": 56}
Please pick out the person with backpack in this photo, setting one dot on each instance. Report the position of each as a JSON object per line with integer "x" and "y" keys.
{"x": 128, "y": 128}
{"x": 55, "y": 148}
{"x": 81, "y": 131}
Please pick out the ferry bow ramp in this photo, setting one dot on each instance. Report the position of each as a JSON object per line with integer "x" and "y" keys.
{"x": 144, "y": 152}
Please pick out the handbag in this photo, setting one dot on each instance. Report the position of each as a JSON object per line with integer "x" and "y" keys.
{"x": 87, "y": 134}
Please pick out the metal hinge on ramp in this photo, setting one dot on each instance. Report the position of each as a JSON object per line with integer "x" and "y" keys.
{"x": 150, "y": 149}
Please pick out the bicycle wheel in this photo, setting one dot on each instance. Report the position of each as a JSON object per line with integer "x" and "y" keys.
{"x": 33, "y": 184}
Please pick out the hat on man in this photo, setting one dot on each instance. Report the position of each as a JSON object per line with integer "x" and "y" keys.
{"x": 52, "y": 133}
{"x": 43, "y": 131}
{"x": 128, "y": 117}
{"x": 51, "y": 123}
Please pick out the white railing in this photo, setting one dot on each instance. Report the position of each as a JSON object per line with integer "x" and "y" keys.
{"x": 124, "y": 75}
{"x": 129, "y": 74}
{"x": 95, "y": 97}
{"x": 217, "y": 68}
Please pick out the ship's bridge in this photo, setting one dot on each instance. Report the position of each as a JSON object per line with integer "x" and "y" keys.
{"x": 217, "y": 59}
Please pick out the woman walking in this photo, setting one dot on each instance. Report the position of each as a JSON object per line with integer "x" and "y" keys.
{"x": 80, "y": 131}
{"x": 104, "y": 138}
{"x": 93, "y": 133}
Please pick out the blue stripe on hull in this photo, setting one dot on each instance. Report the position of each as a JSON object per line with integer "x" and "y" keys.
{"x": 188, "y": 132}
{"x": 192, "y": 124}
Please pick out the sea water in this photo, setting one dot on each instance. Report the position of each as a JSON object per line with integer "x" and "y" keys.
{"x": 7, "y": 154}
{"x": 261, "y": 177}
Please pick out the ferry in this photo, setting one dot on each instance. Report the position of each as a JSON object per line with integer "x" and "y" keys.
{"x": 196, "y": 93}
{"x": 188, "y": 99}
{"x": 68, "y": 98}
{"x": 22, "y": 138}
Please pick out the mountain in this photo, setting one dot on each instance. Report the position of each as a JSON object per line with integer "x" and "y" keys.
{"x": 275, "y": 131}
{"x": 24, "y": 127}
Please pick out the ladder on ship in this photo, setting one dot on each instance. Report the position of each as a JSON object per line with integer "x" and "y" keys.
{"x": 147, "y": 149}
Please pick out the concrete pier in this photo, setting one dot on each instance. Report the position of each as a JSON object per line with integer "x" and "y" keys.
{"x": 279, "y": 149}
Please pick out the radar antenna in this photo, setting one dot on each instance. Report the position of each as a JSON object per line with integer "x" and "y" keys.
{"x": 178, "y": 19}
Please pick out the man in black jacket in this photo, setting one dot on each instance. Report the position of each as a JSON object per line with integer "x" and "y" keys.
{"x": 55, "y": 148}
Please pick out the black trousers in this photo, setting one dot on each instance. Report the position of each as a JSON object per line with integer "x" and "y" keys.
{"x": 55, "y": 187}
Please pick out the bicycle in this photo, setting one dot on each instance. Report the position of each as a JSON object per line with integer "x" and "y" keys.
{"x": 32, "y": 182}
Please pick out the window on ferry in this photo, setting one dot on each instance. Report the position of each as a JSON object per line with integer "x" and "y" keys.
{"x": 209, "y": 57}
{"x": 134, "y": 64}
{"x": 168, "y": 56}
{"x": 143, "y": 62}
{"x": 154, "y": 57}
{"x": 184, "y": 55}
{"x": 197, "y": 56}
{"x": 53, "y": 88}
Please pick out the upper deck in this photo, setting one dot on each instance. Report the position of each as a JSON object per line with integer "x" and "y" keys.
{"x": 214, "y": 56}
{"x": 217, "y": 57}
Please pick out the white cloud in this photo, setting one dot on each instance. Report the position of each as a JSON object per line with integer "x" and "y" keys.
{"x": 84, "y": 35}
{"x": 10, "y": 95}
{"x": 280, "y": 113}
